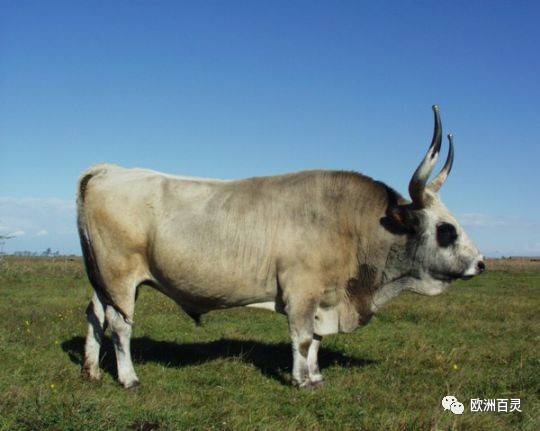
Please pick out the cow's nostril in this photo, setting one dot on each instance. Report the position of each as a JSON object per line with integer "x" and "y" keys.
{"x": 481, "y": 266}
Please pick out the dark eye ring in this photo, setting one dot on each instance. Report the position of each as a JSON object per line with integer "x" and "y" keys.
{"x": 446, "y": 234}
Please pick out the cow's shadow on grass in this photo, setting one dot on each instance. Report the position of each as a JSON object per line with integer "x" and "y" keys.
{"x": 274, "y": 360}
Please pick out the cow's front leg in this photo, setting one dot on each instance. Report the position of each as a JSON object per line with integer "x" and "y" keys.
{"x": 301, "y": 314}
{"x": 315, "y": 375}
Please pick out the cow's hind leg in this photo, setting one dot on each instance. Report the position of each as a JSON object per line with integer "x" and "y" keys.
{"x": 95, "y": 314}
{"x": 125, "y": 289}
{"x": 121, "y": 336}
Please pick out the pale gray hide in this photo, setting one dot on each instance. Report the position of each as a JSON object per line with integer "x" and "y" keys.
{"x": 326, "y": 248}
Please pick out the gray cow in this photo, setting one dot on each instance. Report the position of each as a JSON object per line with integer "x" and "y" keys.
{"x": 326, "y": 248}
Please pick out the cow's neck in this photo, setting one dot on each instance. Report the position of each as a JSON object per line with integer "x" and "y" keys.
{"x": 389, "y": 291}
{"x": 399, "y": 274}
{"x": 396, "y": 275}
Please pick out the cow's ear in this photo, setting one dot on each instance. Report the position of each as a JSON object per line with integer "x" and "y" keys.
{"x": 401, "y": 219}
{"x": 403, "y": 215}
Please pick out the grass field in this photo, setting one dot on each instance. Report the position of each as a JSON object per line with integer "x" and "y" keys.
{"x": 479, "y": 340}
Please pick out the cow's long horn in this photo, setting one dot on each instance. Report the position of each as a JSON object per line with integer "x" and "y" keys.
{"x": 439, "y": 180}
{"x": 420, "y": 177}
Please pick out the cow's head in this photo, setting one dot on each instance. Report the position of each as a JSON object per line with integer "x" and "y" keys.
{"x": 438, "y": 248}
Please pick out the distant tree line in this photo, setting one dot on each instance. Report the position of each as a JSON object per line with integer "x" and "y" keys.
{"x": 46, "y": 253}
{"x": 27, "y": 253}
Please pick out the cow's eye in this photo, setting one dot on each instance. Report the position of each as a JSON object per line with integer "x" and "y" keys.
{"x": 446, "y": 234}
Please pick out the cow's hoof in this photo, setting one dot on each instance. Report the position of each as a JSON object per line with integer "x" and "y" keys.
{"x": 89, "y": 373}
{"x": 132, "y": 386}
{"x": 308, "y": 385}
{"x": 318, "y": 384}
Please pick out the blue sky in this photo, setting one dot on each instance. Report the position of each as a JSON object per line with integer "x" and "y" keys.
{"x": 236, "y": 89}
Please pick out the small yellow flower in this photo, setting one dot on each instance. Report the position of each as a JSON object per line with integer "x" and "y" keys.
{"x": 52, "y": 386}
{"x": 455, "y": 367}
{"x": 27, "y": 323}
{"x": 56, "y": 342}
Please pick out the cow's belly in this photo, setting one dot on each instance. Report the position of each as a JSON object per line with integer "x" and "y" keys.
{"x": 205, "y": 297}
{"x": 203, "y": 290}
{"x": 204, "y": 278}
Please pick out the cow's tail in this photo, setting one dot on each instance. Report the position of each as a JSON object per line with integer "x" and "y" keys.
{"x": 90, "y": 261}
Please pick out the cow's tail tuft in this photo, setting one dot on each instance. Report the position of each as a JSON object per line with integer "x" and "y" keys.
{"x": 90, "y": 261}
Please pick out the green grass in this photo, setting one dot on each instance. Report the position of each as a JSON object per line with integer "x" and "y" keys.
{"x": 479, "y": 340}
